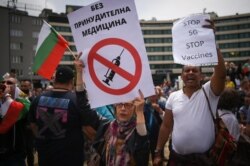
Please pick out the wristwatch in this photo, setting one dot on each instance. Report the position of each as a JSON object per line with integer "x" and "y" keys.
{"x": 157, "y": 152}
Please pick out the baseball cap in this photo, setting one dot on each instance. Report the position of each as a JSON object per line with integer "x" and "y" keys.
{"x": 64, "y": 74}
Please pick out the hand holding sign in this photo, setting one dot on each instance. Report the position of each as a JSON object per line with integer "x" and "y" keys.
{"x": 116, "y": 62}
{"x": 78, "y": 63}
{"x": 194, "y": 41}
{"x": 210, "y": 25}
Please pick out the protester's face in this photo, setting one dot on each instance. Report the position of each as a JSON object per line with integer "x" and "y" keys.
{"x": 246, "y": 87}
{"x": 38, "y": 91}
{"x": 191, "y": 76}
{"x": 124, "y": 111}
{"x": 25, "y": 86}
{"x": 153, "y": 98}
{"x": 10, "y": 83}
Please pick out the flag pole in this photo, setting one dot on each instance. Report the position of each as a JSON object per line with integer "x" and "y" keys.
{"x": 71, "y": 51}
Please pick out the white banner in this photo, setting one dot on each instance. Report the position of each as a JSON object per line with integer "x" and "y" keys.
{"x": 116, "y": 64}
{"x": 193, "y": 44}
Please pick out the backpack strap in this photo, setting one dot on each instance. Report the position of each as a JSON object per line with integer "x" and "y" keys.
{"x": 223, "y": 114}
{"x": 209, "y": 106}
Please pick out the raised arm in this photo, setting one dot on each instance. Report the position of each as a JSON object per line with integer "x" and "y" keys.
{"x": 89, "y": 116}
{"x": 219, "y": 75}
{"x": 80, "y": 84}
{"x": 140, "y": 119}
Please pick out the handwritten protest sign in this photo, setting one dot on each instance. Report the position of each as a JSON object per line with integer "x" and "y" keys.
{"x": 193, "y": 44}
{"x": 116, "y": 65}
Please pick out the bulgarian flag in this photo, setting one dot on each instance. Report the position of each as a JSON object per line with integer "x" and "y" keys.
{"x": 10, "y": 113}
{"x": 13, "y": 110}
{"x": 50, "y": 49}
{"x": 21, "y": 97}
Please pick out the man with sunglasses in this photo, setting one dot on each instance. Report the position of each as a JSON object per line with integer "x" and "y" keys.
{"x": 8, "y": 82}
{"x": 12, "y": 125}
{"x": 11, "y": 82}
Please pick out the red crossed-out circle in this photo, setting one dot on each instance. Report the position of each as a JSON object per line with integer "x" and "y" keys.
{"x": 132, "y": 78}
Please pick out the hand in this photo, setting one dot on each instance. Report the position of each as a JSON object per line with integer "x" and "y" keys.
{"x": 242, "y": 128}
{"x": 210, "y": 26}
{"x": 7, "y": 89}
{"x": 155, "y": 106}
{"x": 139, "y": 103}
{"x": 4, "y": 92}
{"x": 157, "y": 161}
{"x": 79, "y": 65}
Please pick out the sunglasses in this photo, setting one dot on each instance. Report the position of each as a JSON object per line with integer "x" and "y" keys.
{"x": 8, "y": 82}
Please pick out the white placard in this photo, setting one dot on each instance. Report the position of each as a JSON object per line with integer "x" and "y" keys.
{"x": 193, "y": 44}
{"x": 116, "y": 64}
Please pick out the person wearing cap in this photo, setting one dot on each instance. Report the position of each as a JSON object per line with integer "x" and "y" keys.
{"x": 57, "y": 120}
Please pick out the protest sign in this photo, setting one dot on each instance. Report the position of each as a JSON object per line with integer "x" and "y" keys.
{"x": 193, "y": 44}
{"x": 108, "y": 34}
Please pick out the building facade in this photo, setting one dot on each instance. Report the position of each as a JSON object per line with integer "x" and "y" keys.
{"x": 232, "y": 36}
{"x": 5, "y": 41}
{"x": 20, "y": 32}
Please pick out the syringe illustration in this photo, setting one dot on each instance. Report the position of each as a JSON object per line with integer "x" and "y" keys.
{"x": 111, "y": 73}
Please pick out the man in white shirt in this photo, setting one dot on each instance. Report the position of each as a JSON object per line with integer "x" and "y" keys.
{"x": 187, "y": 115}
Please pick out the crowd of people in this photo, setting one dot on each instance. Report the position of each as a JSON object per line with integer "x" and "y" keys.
{"x": 58, "y": 121}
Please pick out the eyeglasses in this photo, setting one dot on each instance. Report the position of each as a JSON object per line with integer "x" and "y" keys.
{"x": 8, "y": 82}
{"x": 126, "y": 105}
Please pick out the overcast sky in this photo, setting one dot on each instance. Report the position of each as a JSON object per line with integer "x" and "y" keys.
{"x": 160, "y": 9}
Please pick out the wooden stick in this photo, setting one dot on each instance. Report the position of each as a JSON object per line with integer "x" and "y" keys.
{"x": 71, "y": 52}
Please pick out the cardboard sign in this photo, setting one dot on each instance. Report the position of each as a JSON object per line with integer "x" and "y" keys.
{"x": 116, "y": 65}
{"x": 193, "y": 44}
